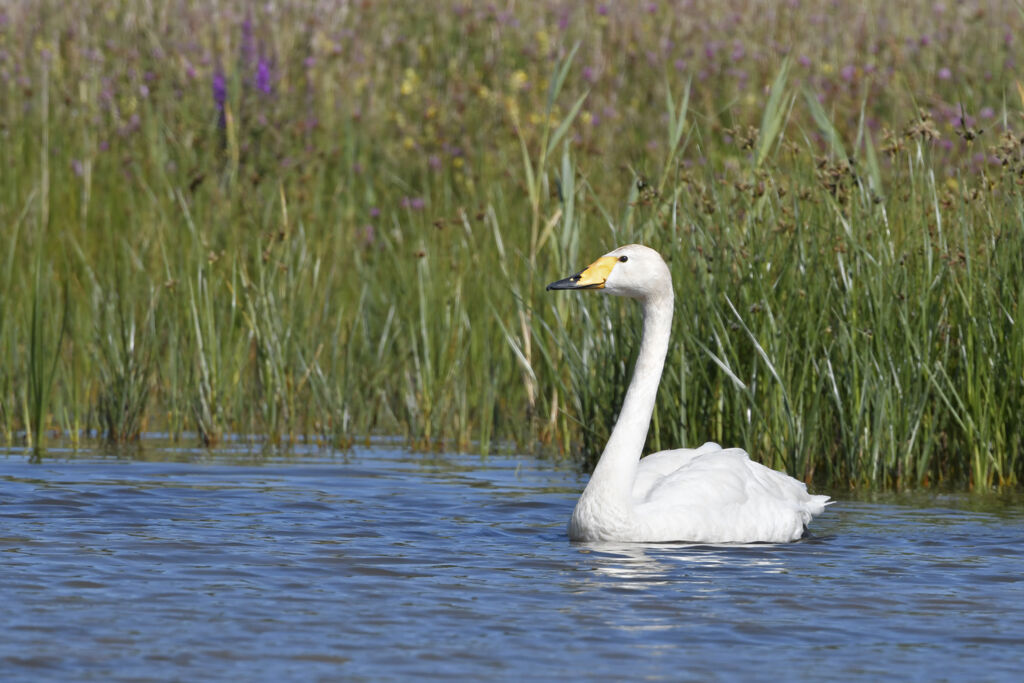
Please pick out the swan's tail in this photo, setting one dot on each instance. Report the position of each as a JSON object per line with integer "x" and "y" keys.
{"x": 817, "y": 504}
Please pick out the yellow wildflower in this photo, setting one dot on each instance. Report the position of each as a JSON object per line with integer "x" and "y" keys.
{"x": 543, "y": 42}
{"x": 518, "y": 80}
{"x": 410, "y": 82}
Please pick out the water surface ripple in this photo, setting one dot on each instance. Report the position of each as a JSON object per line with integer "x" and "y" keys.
{"x": 381, "y": 565}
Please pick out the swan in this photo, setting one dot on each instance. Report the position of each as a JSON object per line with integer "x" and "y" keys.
{"x": 698, "y": 495}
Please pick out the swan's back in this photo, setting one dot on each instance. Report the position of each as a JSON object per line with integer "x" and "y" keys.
{"x": 715, "y": 494}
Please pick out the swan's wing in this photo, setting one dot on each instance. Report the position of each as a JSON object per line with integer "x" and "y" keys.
{"x": 656, "y": 466}
{"x": 722, "y": 494}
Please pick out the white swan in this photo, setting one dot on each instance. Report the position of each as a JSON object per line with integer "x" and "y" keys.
{"x": 704, "y": 495}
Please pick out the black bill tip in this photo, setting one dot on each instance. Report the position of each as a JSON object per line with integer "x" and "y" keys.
{"x": 567, "y": 283}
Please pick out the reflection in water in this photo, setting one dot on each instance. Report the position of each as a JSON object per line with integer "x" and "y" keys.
{"x": 630, "y": 563}
{"x": 380, "y": 564}
{"x": 641, "y": 565}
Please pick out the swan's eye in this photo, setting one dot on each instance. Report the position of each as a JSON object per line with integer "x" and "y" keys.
{"x": 623, "y": 259}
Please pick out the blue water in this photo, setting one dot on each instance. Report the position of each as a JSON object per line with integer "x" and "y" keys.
{"x": 181, "y": 564}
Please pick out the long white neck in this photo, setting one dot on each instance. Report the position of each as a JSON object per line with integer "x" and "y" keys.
{"x": 613, "y": 477}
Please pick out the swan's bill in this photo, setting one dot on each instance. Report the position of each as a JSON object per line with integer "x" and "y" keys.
{"x": 592, "y": 277}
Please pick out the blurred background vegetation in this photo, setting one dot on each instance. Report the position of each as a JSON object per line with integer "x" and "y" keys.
{"x": 328, "y": 221}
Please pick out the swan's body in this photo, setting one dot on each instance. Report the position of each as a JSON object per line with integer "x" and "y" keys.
{"x": 704, "y": 495}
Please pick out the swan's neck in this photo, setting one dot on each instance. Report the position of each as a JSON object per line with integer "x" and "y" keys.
{"x": 613, "y": 477}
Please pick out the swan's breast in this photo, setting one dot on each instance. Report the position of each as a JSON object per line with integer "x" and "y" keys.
{"x": 597, "y": 518}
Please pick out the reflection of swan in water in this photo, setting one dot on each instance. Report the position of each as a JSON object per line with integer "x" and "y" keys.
{"x": 628, "y": 561}
{"x": 638, "y": 565}
{"x": 709, "y": 494}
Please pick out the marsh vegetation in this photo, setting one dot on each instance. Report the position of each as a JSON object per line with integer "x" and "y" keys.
{"x": 329, "y": 221}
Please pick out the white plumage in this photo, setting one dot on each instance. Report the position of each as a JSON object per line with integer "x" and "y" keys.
{"x": 703, "y": 495}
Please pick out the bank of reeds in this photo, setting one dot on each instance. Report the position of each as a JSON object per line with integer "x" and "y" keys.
{"x": 329, "y": 222}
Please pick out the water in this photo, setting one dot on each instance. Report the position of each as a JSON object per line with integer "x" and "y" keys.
{"x": 380, "y": 565}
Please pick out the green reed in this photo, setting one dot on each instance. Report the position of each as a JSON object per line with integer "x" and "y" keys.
{"x": 124, "y": 364}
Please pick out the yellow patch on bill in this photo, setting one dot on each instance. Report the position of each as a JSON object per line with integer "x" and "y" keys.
{"x": 597, "y": 272}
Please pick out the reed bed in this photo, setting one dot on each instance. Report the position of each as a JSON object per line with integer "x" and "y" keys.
{"x": 328, "y": 221}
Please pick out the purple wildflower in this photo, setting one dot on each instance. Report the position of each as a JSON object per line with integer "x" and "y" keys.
{"x": 945, "y": 74}
{"x": 220, "y": 98}
{"x": 220, "y": 91}
{"x": 263, "y": 82}
{"x": 248, "y": 41}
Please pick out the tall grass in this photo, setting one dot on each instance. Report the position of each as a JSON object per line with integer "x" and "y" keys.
{"x": 224, "y": 220}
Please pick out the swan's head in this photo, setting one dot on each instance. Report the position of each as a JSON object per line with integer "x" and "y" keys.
{"x": 634, "y": 271}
